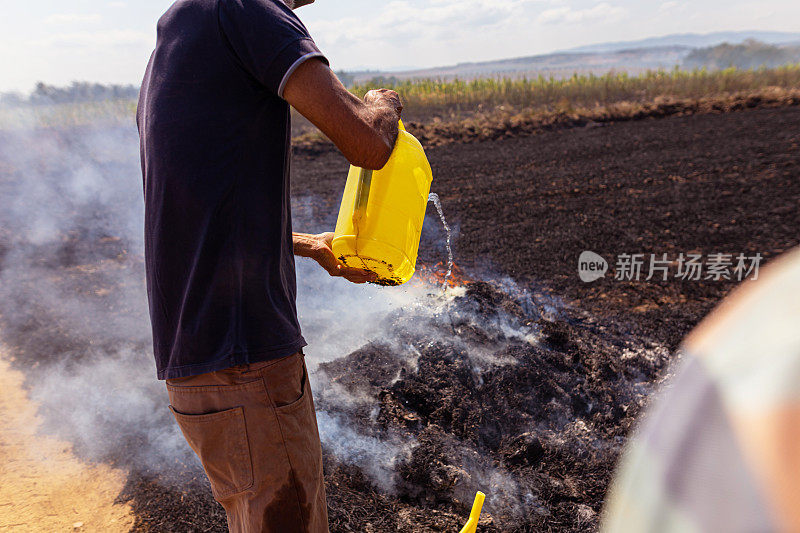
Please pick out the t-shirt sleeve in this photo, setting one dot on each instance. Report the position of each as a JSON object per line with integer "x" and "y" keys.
{"x": 267, "y": 39}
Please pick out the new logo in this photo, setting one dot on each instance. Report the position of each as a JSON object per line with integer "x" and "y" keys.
{"x": 591, "y": 266}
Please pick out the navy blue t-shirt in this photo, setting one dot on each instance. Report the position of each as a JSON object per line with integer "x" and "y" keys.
{"x": 215, "y": 151}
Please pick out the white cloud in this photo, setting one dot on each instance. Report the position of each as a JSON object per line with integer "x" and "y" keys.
{"x": 672, "y": 7}
{"x": 103, "y": 38}
{"x": 603, "y": 12}
{"x": 425, "y": 33}
{"x": 402, "y": 22}
{"x": 63, "y": 19}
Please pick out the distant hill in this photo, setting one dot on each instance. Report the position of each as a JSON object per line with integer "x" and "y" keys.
{"x": 694, "y": 40}
{"x": 634, "y": 57}
{"x": 558, "y": 65}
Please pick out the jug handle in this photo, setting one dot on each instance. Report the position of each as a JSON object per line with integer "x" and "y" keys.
{"x": 362, "y": 195}
{"x": 362, "y": 191}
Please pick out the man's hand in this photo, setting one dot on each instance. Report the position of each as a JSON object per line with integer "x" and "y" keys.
{"x": 318, "y": 248}
{"x": 384, "y": 98}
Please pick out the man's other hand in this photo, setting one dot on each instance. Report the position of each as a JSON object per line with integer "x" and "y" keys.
{"x": 318, "y": 248}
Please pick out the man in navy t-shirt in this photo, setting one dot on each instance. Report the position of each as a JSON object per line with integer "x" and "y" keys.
{"x": 213, "y": 120}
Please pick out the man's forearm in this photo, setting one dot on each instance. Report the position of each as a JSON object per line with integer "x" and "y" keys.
{"x": 365, "y": 131}
{"x": 369, "y": 141}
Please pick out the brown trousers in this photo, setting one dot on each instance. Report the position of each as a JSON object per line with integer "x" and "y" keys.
{"x": 255, "y": 431}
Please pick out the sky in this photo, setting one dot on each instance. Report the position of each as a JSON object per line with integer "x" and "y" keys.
{"x": 109, "y": 41}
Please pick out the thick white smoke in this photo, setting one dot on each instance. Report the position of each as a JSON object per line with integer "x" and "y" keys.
{"x": 73, "y": 311}
{"x": 74, "y": 308}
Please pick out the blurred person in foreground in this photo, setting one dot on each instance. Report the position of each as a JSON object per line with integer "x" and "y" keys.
{"x": 719, "y": 450}
{"x": 214, "y": 126}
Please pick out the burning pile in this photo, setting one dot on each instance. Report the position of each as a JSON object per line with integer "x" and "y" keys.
{"x": 485, "y": 388}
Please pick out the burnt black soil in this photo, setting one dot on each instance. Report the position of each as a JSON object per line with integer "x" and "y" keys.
{"x": 533, "y": 423}
{"x": 526, "y": 207}
{"x": 526, "y": 388}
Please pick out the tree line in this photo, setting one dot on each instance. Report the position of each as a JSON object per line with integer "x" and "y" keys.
{"x": 79, "y": 91}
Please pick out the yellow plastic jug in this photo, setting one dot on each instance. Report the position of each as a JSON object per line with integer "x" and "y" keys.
{"x": 380, "y": 218}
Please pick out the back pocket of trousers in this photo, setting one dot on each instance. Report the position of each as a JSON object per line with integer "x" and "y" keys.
{"x": 220, "y": 441}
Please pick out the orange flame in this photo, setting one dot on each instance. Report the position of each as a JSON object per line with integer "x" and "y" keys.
{"x": 435, "y": 275}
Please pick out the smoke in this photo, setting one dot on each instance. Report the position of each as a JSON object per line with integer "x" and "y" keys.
{"x": 74, "y": 311}
{"x": 508, "y": 500}
{"x": 338, "y": 317}
{"x": 72, "y": 293}
{"x": 110, "y": 407}
{"x": 377, "y": 457}
{"x": 55, "y": 181}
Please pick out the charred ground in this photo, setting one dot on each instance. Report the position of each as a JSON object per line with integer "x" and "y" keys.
{"x": 526, "y": 207}
{"x": 544, "y": 426}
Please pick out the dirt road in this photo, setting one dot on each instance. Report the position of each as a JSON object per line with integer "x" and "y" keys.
{"x": 43, "y": 486}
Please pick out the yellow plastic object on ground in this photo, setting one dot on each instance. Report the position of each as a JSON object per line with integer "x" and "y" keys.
{"x": 475, "y": 514}
{"x": 380, "y": 218}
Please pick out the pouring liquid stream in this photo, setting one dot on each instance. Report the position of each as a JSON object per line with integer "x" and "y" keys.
{"x": 433, "y": 197}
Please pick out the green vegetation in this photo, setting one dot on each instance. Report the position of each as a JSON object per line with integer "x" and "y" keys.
{"x": 106, "y": 111}
{"x": 585, "y": 91}
{"x": 76, "y": 104}
{"x": 428, "y": 100}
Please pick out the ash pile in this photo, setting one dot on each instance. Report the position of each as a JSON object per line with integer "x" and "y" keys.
{"x": 481, "y": 387}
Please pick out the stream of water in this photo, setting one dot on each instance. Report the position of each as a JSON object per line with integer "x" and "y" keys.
{"x": 433, "y": 197}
